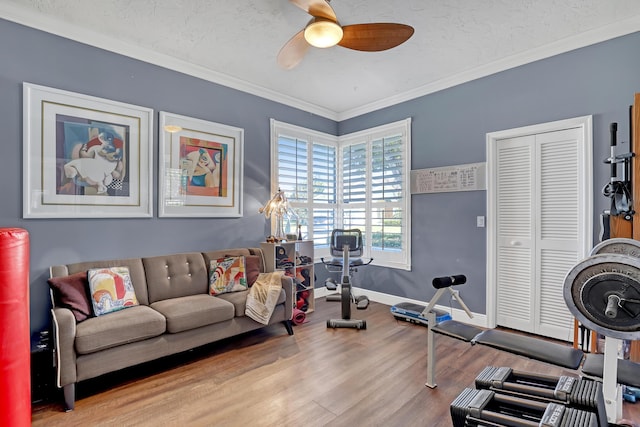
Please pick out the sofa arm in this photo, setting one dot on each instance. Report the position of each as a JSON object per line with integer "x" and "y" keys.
{"x": 287, "y": 285}
{"x": 64, "y": 332}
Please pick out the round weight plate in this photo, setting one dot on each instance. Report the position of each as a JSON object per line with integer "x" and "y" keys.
{"x": 618, "y": 245}
{"x": 595, "y": 298}
{"x": 590, "y": 283}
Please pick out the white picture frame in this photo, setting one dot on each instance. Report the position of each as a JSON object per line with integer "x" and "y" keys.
{"x": 85, "y": 157}
{"x": 200, "y": 171}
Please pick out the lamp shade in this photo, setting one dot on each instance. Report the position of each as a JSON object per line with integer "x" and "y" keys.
{"x": 278, "y": 206}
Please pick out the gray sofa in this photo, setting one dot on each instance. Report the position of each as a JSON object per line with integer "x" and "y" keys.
{"x": 175, "y": 313}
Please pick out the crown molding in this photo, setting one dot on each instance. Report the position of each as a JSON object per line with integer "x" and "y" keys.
{"x": 621, "y": 28}
{"x": 81, "y": 35}
{"x": 72, "y": 32}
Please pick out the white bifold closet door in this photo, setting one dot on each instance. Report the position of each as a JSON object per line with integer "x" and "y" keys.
{"x": 538, "y": 236}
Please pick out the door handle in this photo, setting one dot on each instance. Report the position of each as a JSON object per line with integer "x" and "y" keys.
{"x": 516, "y": 243}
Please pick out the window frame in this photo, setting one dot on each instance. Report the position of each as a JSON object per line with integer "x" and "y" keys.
{"x": 400, "y": 259}
{"x": 279, "y": 129}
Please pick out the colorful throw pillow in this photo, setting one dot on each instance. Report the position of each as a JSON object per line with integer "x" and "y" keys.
{"x": 111, "y": 289}
{"x": 251, "y": 268}
{"x": 72, "y": 292}
{"x": 227, "y": 275}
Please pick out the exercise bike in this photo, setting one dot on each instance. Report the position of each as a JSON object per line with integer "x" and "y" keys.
{"x": 346, "y": 248}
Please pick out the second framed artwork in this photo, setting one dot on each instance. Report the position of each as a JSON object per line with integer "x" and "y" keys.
{"x": 200, "y": 168}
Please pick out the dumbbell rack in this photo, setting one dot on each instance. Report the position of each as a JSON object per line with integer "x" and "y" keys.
{"x": 506, "y": 397}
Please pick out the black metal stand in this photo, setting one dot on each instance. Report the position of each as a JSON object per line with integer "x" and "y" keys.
{"x": 42, "y": 369}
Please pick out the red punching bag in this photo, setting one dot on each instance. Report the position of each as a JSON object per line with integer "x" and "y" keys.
{"x": 15, "y": 343}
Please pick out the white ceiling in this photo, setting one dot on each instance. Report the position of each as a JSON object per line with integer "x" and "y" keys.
{"x": 235, "y": 42}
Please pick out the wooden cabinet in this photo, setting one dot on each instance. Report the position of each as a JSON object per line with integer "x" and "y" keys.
{"x": 295, "y": 258}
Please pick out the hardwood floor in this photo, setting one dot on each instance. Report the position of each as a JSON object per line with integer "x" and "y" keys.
{"x": 317, "y": 377}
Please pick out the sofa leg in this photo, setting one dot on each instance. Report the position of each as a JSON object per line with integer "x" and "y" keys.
{"x": 69, "y": 397}
{"x": 289, "y": 326}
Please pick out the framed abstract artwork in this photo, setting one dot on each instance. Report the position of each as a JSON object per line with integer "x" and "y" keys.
{"x": 200, "y": 168}
{"x": 85, "y": 157}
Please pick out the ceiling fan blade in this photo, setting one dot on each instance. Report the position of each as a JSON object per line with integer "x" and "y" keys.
{"x": 293, "y": 51}
{"x": 375, "y": 37}
{"x": 317, "y": 8}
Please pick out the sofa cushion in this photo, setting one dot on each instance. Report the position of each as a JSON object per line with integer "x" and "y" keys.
{"x": 239, "y": 300}
{"x": 72, "y": 292}
{"x": 227, "y": 275}
{"x": 178, "y": 275}
{"x": 111, "y": 289}
{"x": 193, "y": 311}
{"x": 121, "y": 327}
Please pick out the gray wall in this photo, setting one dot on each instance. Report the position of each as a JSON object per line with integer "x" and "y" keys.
{"x": 449, "y": 128}
{"x": 27, "y": 55}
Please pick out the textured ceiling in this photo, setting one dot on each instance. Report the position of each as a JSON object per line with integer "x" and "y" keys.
{"x": 235, "y": 42}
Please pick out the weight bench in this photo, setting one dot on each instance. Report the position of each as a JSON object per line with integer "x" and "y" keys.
{"x": 534, "y": 348}
{"x": 454, "y": 329}
{"x": 442, "y": 284}
{"x": 628, "y": 371}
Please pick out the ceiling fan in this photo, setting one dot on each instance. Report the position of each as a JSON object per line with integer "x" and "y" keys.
{"x": 324, "y": 31}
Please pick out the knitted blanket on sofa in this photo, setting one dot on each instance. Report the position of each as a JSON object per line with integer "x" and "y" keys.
{"x": 263, "y": 296}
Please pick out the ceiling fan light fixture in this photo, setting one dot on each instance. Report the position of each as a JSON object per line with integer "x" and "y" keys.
{"x": 324, "y": 30}
{"x": 323, "y": 33}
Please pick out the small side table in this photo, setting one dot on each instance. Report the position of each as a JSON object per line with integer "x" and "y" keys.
{"x": 42, "y": 369}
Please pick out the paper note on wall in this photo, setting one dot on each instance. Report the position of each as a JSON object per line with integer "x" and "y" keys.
{"x": 469, "y": 177}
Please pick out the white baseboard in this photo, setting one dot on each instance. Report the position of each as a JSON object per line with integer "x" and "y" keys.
{"x": 457, "y": 314}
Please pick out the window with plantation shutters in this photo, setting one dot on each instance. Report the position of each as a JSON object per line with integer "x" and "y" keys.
{"x": 354, "y": 187}
{"x": 374, "y": 169}
{"x": 354, "y": 181}
{"x": 292, "y": 168}
{"x": 324, "y": 179}
{"x": 354, "y": 173}
{"x": 303, "y": 165}
{"x": 387, "y": 186}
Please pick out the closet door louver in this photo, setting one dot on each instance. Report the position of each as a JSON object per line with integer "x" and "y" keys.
{"x": 557, "y": 241}
{"x": 515, "y": 224}
{"x": 538, "y": 223}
